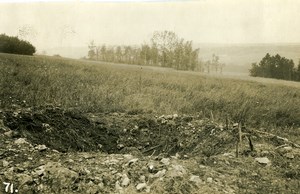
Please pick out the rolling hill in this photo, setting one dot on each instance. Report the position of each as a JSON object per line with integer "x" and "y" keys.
{"x": 237, "y": 57}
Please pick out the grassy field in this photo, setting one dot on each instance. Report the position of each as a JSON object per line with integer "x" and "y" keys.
{"x": 99, "y": 87}
{"x": 32, "y": 87}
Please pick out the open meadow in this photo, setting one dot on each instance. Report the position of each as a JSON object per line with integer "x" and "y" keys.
{"x": 99, "y": 87}
{"x": 148, "y": 129}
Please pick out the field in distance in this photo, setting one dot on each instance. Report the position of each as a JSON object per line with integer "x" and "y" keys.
{"x": 237, "y": 57}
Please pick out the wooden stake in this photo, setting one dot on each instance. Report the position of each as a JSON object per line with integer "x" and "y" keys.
{"x": 211, "y": 116}
{"x": 240, "y": 132}
{"x": 237, "y": 149}
{"x": 238, "y": 140}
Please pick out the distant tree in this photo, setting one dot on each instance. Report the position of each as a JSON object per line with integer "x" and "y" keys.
{"x": 57, "y": 55}
{"x": 178, "y": 54}
{"x": 154, "y": 53}
{"x": 215, "y": 62}
{"x": 118, "y": 54}
{"x": 11, "y": 44}
{"x": 173, "y": 51}
{"x": 92, "y": 50}
{"x": 145, "y": 54}
{"x": 296, "y": 74}
{"x": 103, "y": 52}
{"x": 128, "y": 54}
{"x": 275, "y": 67}
{"x": 165, "y": 49}
{"x": 165, "y": 41}
{"x": 222, "y": 65}
{"x": 255, "y": 70}
{"x": 207, "y": 66}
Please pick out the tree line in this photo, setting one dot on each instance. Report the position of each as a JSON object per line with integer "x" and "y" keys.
{"x": 276, "y": 67}
{"x": 165, "y": 49}
{"x": 12, "y": 44}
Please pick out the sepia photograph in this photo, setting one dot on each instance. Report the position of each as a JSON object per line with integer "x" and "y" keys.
{"x": 150, "y": 96}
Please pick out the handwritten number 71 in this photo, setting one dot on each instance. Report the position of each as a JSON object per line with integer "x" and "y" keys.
{"x": 7, "y": 187}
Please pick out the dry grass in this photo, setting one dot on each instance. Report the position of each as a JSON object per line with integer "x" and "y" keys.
{"x": 99, "y": 87}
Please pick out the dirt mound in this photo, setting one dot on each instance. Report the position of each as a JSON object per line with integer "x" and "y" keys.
{"x": 66, "y": 130}
{"x": 147, "y": 153}
{"x": 59, "y": 129}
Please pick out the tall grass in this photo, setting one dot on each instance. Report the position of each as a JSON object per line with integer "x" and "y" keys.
{"x": 97, "y": 87}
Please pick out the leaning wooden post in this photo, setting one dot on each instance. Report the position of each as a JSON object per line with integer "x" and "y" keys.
{"x": 238, "y": 140}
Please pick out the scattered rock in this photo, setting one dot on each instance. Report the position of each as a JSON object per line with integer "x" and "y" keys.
{"x": 177, "y": 156}
{"x": 120, "y": 146}
{"x": 285, "y": 149}
{"x": 24, "y": 179}
{"x": 141, "y": 186}
{"x": 55, "y": 170}
{"x": 87, "y": 172}
{"x": 160, "y": 173}
{"x": 142, "y": 179}
{"x": 177, "y": 171}
{"x": 165, "y": 161}
{"x": 151, "y": 168}
{"x": 195, "y": 179}
{"x": 39, "y": 171}
{"x": 263, "y": 160}
{"x": 148, "y": 189}
{"x": 5, "y": 163}
{"x": 8, "y": 133}
{"x": 230, "y": 155}
{"x": 132, "y": 161}
{"x": 125, "y": 180}
{"x": 55, "y": 151}
{"x": 70, "y": 160}
{"x": 19, "y": 169}
{"x": 41, "y": 148}
{"x": 21, "y": 141}
{"x": 209, "y": 180}
{"x": 117, "y": 186}
{"x": 87, "y": 156}
{"x": 235, "y": 125}
{"x": 288, "y": 148}
{"x": 289, "y": 155}
{"x": 9, "y": 173}
{"x": 265, "y": 153}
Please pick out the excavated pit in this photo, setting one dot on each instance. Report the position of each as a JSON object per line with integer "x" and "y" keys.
{"x": 69, "y": 130}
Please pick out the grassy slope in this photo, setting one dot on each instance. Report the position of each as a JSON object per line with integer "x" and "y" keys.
{"x": 93, "y": 87}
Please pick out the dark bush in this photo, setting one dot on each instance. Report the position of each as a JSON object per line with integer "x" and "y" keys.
{"x": 276, "y": 67}
{"x": 11, "y": 44}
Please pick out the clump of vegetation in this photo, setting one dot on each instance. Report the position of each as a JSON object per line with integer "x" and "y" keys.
{"x": 276, "y": 67}
{"x": 166, "y": 49}
{"x": 13, "y": 45}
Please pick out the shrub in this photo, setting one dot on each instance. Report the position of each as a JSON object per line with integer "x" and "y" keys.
{"x": 13, "y": 45}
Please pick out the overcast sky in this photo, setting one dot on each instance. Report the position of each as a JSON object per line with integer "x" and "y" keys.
{"x": 74, "y": 23}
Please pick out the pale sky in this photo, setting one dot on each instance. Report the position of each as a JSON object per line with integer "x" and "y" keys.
{"x": 75, "y": 23}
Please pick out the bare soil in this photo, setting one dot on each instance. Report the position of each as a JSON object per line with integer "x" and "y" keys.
{"x": 53, "y": 150}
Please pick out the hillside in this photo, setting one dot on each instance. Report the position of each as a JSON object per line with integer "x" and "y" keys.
{"x": 238, "y": 57}
{"x": 74, "y": 126}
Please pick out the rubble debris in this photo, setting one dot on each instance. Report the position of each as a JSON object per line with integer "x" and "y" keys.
{"x": 263, "y": 160}
{"x": 176, "y": 154}
{"x": 141, "y": 186}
